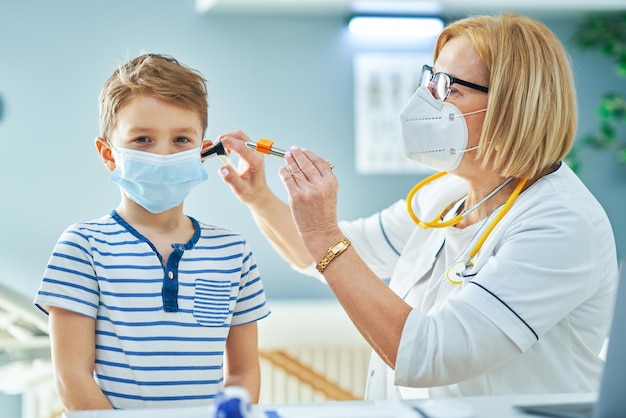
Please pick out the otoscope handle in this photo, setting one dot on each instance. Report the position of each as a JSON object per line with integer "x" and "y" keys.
{"x": 266, "y": 146}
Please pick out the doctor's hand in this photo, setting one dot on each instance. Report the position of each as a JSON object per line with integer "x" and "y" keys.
{"x": 312, "y": 189}
{"x": 248, "y": 182}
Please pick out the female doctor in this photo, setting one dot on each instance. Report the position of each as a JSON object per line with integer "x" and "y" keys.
{"x": 503, "y": 265}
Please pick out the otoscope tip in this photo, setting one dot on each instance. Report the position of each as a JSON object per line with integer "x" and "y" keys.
{"x": 217, "y": 148}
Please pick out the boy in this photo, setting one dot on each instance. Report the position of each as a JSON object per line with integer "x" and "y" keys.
{"x": 147, "y": 306}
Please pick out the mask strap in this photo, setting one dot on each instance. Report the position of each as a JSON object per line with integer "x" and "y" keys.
{"x": 113, "y": 150}
{"x": 452, "y": 116}
{"x": 454, "y": 151}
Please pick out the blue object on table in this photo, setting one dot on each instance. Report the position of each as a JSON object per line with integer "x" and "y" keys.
{"x": 232, "y": 402}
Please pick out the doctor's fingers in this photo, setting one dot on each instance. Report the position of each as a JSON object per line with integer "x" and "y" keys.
{"x": 323, "y": 167}
{"x": 236, "y": 142}
{"x": 303, "y": 178}
{"x": 248, "y": 182}
{"x": 309, "y": 188}
{"x": 312, "y": 204}
{"x": 301, "y": 161}
{"x": 248, "y": 158}
{"x": 237, "y": 135}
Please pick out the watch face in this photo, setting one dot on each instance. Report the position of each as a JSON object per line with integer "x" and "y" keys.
{"x": 336, "y": 249}
{"x": 340, "y": 246}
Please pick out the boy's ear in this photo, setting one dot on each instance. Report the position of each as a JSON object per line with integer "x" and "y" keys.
{"x": 105, "y": 153}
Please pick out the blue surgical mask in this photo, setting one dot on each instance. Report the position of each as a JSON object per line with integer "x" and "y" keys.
{"x": 155, "y": 181}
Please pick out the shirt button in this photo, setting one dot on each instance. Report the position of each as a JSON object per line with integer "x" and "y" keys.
{"x": 170, "y": 274}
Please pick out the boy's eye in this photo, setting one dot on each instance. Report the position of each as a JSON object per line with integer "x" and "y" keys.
{"x": 182, "y": 139}
{"x": 142, "y": 139}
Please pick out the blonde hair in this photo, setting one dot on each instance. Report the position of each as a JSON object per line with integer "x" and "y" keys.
{"x": 160, "y": 76}
{"x": 531, "y": 116}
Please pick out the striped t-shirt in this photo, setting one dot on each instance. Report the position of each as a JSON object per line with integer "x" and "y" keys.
{"x": 160, "y": 331}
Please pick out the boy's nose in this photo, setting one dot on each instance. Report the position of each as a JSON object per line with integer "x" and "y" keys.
{"x": 164, "y": 148}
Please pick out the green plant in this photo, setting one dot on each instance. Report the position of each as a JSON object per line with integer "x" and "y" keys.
{"x": 606, "y": 34}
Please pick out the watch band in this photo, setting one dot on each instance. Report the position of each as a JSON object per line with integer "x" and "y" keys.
{"x": 333, "y": 252}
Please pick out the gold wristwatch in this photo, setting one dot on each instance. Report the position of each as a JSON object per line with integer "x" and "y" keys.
{"x": 335, "y": 250}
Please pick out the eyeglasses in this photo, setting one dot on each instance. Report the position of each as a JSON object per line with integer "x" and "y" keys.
{"x": 440, "y": 83}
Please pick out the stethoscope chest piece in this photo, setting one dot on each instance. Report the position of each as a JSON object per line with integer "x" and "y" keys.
{"x": 457, "y": 271}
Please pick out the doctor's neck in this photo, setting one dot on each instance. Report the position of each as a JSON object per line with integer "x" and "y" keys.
{"x": 479, "y": 187}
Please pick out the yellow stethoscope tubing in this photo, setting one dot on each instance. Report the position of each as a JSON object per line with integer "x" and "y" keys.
{"x": 436, "y": 223}
{"x": 492, "y": 225}
{"x": 499, "y": 216}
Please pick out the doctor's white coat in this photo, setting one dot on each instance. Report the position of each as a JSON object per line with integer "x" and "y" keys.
{"x": 531, "y": 315}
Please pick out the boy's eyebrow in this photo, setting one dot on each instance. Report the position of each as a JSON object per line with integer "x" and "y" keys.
{"x": 190, "y": 130}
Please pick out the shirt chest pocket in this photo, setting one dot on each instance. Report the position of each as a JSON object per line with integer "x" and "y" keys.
{"x": 211, "y": 304}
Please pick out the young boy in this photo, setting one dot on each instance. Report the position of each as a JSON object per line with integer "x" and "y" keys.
{"x": 147, "y": 306}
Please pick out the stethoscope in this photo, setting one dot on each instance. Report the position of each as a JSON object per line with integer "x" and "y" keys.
{"x": 462, "y": 265}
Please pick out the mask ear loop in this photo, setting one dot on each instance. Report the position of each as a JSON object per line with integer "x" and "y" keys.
{"x": 113, "y": 149}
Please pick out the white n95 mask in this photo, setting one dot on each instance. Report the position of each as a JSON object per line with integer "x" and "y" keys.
{"x": 157, "y": 182}
{"x": 434, "y": 133}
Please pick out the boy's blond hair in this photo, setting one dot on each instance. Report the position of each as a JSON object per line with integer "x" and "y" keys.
{"x": 531, "y": 116}
{"x": 159, "y": 76}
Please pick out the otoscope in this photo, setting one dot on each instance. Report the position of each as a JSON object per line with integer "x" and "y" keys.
{"x": 219, "y": 150}
{"x": 263, "y": 145}
{"x": 266, "y": 146}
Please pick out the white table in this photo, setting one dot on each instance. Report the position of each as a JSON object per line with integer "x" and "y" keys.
{"x": 482, "y": 406}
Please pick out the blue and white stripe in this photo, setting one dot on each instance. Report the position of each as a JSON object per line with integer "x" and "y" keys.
{"x": 160, "y": 331}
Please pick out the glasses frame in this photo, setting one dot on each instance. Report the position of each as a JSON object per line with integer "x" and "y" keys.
{"x": 453, "y": 80}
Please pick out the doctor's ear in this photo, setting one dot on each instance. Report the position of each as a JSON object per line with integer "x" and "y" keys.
{"x": 105, "y": 152}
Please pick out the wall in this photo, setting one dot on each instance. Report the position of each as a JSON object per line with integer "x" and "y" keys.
{"x": 10, "y": 405}
{"x": 286, "y": 78}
